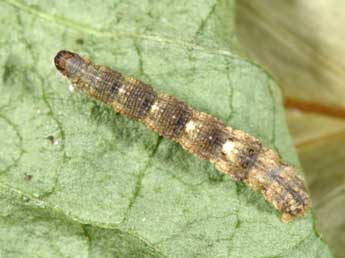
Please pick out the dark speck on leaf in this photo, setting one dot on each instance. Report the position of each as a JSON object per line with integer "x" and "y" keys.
{"x": 27, "y": 177}
{"x": 51, "y": 139}
{"x": 79, "y": 41}
{"x": 25, "y": 199}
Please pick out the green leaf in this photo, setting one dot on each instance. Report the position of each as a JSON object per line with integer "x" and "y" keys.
{"x": 77, "y": 180}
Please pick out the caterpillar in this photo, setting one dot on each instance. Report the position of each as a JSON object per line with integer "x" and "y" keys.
{"x": 232, "y": 151}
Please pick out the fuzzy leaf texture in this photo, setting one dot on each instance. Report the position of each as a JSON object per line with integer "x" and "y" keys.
{"x": 77, "y": 180}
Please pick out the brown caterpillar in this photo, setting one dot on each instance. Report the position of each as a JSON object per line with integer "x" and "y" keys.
{"x": 233, "y": 152}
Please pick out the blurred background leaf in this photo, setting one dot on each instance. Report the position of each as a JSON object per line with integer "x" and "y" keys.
{"x": 302, "y": 44}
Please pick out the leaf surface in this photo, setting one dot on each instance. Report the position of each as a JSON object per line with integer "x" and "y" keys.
{"x": 77, "y": 180}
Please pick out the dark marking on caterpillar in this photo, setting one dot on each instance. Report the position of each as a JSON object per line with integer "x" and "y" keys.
{"x": 232, "y": 151}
